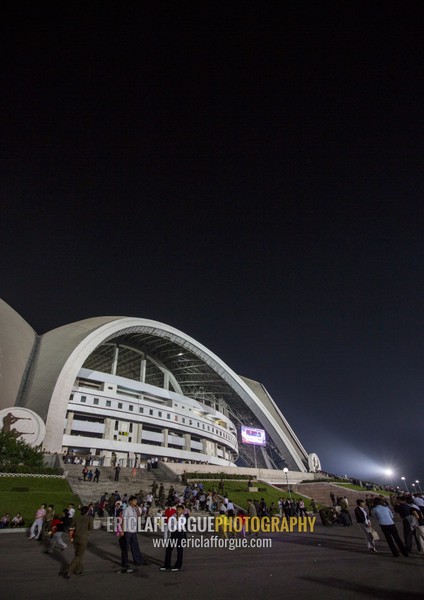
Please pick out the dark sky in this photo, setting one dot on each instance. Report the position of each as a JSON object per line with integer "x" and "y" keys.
{"x": 250, "y": 173}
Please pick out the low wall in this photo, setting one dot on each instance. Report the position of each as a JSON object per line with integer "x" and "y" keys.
{"x": 268, "y": 475}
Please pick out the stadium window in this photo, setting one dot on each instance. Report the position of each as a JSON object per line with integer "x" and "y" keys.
{"x": 108, "y": 403}
{"x": 159, "y": 413}
{"x": 141, "y": 409}
{"x": 168, "y": 416}
{"x": 119, "y": 404}
{"x": 83, "y": 398}
{"x": 131, "y": 407}
{"x": 96, "y": 401}
{"x": 150, "y": 412}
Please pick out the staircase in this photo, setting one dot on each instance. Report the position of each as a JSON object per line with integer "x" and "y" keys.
{"x": 321, "y": 492}
{"x": 91, "y": 491}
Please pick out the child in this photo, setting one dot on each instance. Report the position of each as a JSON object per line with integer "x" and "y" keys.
{"x": 56, "y": 531}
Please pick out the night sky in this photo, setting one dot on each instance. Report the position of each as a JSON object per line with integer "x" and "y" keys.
{"x": 249, "y": 173}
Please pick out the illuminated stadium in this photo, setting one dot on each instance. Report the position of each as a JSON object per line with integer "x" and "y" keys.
{"x": 130, "y": 388}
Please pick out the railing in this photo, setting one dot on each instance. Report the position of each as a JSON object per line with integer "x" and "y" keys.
{"x": 40, "y": 475}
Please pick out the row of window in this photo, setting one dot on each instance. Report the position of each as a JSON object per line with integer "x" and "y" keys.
{"x": 129, "y": 438}
{"x": 157, "y": 413}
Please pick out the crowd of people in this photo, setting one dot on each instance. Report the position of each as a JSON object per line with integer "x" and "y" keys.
{"x": 138, "y": 462}
{"x": 410, "y": 509}
{"x": 168, "y": 505}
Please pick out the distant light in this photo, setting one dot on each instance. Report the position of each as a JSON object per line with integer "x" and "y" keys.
{"x": 179, "y": 354}
{"x": 388, "y": 472}
{"x": 403, "y": 478}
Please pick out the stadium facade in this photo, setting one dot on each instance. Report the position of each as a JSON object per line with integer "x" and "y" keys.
{"x": 128, "y": 388}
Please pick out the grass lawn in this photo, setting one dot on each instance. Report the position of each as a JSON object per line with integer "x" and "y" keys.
{"x": 237, "y": 493}
{"x": 26, "y": 494}
{"x": 352, "y": 486}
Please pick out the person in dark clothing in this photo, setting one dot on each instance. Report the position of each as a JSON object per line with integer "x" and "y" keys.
{"x": 363, "y": 520}
{"x": 385, "y": 519}
{"x": 177, "y": 527}
{"x": 79, "y": 530}
{"x": 407, "y": 514}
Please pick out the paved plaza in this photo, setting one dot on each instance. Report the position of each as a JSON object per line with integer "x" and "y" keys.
{"x": 331, "y": 563}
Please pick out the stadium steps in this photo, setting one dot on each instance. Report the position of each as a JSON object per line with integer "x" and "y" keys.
{"x": 320, "y": 492}
{"x": 91, "y": 491}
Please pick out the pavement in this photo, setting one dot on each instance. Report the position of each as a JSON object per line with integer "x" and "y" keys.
{"x": 331, "y": 563}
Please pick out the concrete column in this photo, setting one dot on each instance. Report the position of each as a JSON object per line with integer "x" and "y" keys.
{"x": 143, "y": 370}
{"x": 165, "y": 437}
{"x": 69, "y": 422}
{"x": 109, "y": 425}
{"x": 166, "y": 380}
{"x": 187, "y": 441}
{"x": 134, "y": 434}
{"x": 115, "y": 360}
{"x": 107, "y": 458}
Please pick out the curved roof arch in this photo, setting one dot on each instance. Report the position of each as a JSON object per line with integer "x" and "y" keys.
{"x": 63, "y": 351}
{"x": 17, "y": 340}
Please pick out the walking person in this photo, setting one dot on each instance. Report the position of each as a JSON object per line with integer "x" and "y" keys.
{"x": 177, "y": 528}
{"x": 409, "y": 515}
{"x": 385, "y": 519}
{"x": 56, "y": 530}
{"x": 79, "y": 530}
{"x": 37, "y": 526}
{"x": 363, "y": 520}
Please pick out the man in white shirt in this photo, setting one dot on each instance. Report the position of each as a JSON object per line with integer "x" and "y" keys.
{"x": 385, "y": 519}
{"x": 230, "y": 509}
{"x": 419, "y": 501}
{"x": 130, "y": 527}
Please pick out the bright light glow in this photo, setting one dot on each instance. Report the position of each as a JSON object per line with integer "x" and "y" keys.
{"x": 403, "y": 478}
{"x": 388, "y": 472}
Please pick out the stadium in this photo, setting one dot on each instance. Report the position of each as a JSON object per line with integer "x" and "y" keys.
{"x": 126, "y": 388}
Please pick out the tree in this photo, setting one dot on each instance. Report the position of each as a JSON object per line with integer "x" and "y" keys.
{"x": 16, "y": 452}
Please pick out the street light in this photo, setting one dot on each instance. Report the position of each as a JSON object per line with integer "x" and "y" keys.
{"x": 389, "y": 475}
{"x": 286, "y": 471}
{"x": 404, "y": 481}
{"x": 418, "y": 486}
